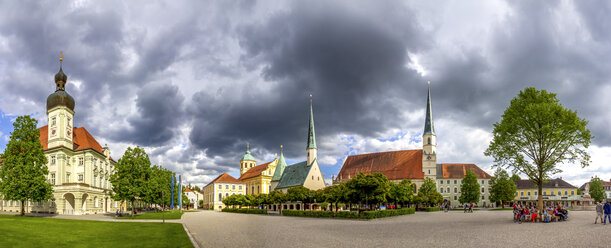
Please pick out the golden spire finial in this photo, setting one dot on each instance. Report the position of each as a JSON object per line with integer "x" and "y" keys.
{"x": 61, "y": 56}
{"x": 310, "y": 98}
{"x": 281, "y": 148}
{"x": 275, "y": 154}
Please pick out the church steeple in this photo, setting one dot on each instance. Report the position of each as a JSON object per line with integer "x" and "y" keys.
{"x": 280, "y": 167}
{"x": 311, "y": 147}
{"x": 311, "y": 132}
{"x": 60, "y": 112}
{"x": 428, "y": 122}
{"x": 429, "y": 141}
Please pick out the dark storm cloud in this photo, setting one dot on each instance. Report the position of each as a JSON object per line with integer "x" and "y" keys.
{"x": 352, "y": 62}
{"x": 159, "y": 116}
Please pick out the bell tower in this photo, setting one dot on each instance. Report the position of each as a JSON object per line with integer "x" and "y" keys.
{"x": 60, "y": 112}
{"x": 247, "y": 161}
{"x": 429, "y": 141}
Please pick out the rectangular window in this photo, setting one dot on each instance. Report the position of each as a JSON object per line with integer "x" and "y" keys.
{"x": 52, "y": 159}
{"x": 440, "y": 181}
{"x": 80, "y": 161}
{"x": 522, "y": 193}
{"x": 483, "y": 198}
{"x": 220, "y": 186}
{"x": 483, "y": 182}
{"x": 455, "y": 190}
{"x": 559, "y": 192}
{"x": 53, "y": 178}
{"x": 227, "y": 186}
{"x": 536, "y": 193}
{"x": 94, "y": 179}
{"x": 233, "y": 187}
{"x": 80, "y": 177}
{"x": 566, "y": 192}
{"x": 68, "y": 177}
{"x": 455, "y": 198}
{"x": 441, "y": 190}
{"x": 529, "y": 193}
{"x": 448, "y": 182}
{"x": 572, "y": 192}
{"x": 53, "y": 121}
{"x": 454, "y": 181}
{"x": 240, "y": 187}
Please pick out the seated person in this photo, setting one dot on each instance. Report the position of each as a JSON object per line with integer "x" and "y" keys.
{"x": 525, "y": 214}
{"x": 533, "y": 214}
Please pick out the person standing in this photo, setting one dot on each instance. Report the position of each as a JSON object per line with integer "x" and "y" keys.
{"x": 599, "y": 212}
{"x": 607, "y": 211}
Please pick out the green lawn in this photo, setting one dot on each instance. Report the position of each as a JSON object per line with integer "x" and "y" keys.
{"x": 17, "y": 231}
{"x": 169, "y": 215}
{"x": 500, "y": 209}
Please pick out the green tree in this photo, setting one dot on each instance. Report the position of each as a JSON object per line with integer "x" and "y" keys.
{"x": 535, "y": 134}
{"x": 402, "y": 192}
{"x": 336, "y": 194}
{"x": 597, "y": 191}
{"x": 276, "y": 197}
{"x": 502, "y": 188}
{"x": 370, "y": 188}
{"x": 23, "y": 173}
{"x": 130, "y": 180}
{"x": 298, "y": 194}
{"x": 515, "y": 178}
{"x": 469, "y": 190}
{"x": 159, "y": 186}
{"x": 428, "y": 193}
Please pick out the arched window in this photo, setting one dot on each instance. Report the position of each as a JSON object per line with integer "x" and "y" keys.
{"x": 220, "y": 196}
{"x": 441, "y": 190}
{"x": 429, "y": 140}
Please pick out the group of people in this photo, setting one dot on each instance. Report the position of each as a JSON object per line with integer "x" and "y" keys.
{"x": 603, "y": 209}
{"x": 469, "y": 207}
{"x": 531, "y": 213}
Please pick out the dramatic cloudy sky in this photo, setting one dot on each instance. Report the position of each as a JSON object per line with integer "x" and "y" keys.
{"x": 194, "y": 81}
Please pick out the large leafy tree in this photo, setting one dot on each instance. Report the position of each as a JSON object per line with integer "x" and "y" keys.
{"x": 130, "y": 180}
{"x": 535, "y": 134}
{"x": 402, "y": 192}
{"x": 428, "y": 194}
{"x": 515, "y": 177}
{"x": 159, "y": 186}
{"x": 469, "y": 190}
{"x": 502, "y": 188}
{"x": 336, "y": 194}
{"x": 23, "y": 173}
{"x": 597, "y": 191}
{"x": 368, "y": 189}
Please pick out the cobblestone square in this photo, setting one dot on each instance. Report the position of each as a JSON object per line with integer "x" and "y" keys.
{"x": 436, "y": 229}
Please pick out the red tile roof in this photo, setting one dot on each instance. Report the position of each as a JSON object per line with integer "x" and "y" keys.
{"x": 224, "y": 178}
{"x": 81, "y": 138}
{"x": 255, "y": 171}
{"x": 396, "y": 165}
{"x": 459, "y": 171}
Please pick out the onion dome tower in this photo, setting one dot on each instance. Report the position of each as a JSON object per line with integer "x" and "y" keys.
{"x": 60, "y": 112}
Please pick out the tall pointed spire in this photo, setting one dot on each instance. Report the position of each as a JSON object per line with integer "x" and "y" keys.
{"x": 280, "y": 167}
{"x": 311, "y": 133}
{"x": 428, "y": 123}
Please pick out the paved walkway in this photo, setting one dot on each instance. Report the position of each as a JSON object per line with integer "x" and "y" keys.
{"x": 437, "y": 229}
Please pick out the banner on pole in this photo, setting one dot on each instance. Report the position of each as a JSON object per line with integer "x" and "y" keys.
{"x": 172, "y": 194}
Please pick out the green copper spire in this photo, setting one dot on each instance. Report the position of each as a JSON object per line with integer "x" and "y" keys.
{"x": 280, "y": 167}
{"x": 247, "y": 155}
{"x": 428, "y": 123}
{"x": 311, "y": 133}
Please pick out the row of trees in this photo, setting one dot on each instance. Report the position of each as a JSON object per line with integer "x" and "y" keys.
{"x": 362, "y": 190}
{"x": 136, "y": 179}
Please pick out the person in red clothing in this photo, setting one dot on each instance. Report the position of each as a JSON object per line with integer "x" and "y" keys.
{"x": 533, "y": 214}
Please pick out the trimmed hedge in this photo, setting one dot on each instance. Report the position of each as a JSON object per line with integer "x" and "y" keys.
{"x": 244, "y": 210}
{"x": 431, "y": 209}
{"x": 349, "y": 214}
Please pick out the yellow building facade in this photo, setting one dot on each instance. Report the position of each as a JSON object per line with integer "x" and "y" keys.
{"x": 220, "y": 188}
{"x": 555, "y": 191}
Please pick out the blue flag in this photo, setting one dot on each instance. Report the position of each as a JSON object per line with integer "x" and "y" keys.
{"x": 172, "y": 194}
{"x": 179, "y": 192}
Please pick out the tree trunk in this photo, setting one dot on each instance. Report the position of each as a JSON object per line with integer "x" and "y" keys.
{"x": 22, "y": 208}
{"x": 133, "y": 207}
{"x": 540, "y": 195}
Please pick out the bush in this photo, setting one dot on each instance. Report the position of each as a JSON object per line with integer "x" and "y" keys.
{"x": 431, "y": 209}
{"x": 244, "y": 210}
{"x": 349, "y": 214}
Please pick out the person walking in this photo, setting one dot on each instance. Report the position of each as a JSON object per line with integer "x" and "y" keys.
{"x": 607, "y": 211}
{"x": 599, "y": 212}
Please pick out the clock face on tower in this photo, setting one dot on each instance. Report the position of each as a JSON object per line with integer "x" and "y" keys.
{"x": 428, "y": 158}
{"x": 53, "y": 132}
{"x": 69, "y": 133}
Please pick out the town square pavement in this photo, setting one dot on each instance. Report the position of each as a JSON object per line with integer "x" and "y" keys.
{"x": 436, "y": 229}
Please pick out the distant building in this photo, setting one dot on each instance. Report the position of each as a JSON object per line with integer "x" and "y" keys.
{"x": 555, "y": 191}
{"x": 449, "y": 180}
{"x": 606, "y": 185}
{"x": 417, "y": 165}
{"x": 256, "y": 178}
{"x": 79, "y": 167}
{"x": 221, "y": 187}
{"x": 194, "y": 197}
